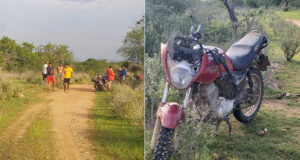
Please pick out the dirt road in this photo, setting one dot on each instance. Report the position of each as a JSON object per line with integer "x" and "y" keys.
{"x": 296, "y": 22}
{"x": 69, "y": 113}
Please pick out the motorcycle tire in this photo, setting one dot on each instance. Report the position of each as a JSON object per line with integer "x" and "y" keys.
{"x": 163, "y": 147}
{"x": 238, "y": 113}
{"x": 96, "y": 87}
{"x": 103, "y": 88}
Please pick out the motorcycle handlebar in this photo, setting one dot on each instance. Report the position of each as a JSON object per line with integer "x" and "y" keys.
{"x": 189, "y": 51}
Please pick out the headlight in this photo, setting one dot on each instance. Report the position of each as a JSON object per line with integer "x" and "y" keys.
{"x": 180, "y": 73}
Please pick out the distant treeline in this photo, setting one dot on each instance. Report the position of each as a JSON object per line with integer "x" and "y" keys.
{"x": 25, "y": 56}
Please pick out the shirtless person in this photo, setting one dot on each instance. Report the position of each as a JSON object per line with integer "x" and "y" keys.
{"x": 60, "y": 73}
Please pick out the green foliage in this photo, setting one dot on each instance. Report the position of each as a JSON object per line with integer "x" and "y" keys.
{"x": 133, "y": 44}
{"x": 289, "y": 38}
{"x": 155, "y": 82}
{"x": 25, "y": 56}
{"x": 127, "y": 107}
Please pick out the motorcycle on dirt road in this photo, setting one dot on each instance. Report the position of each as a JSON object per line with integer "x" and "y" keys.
{"x": 100, "y": 83}
{"x": 218, "y": 82}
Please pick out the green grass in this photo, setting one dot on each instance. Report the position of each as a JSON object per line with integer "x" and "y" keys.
{"x": 280, "y": 141}
{"x": 276, "y": 144}
{"x": 11, "y": 107}
{"x": 37, "y": 142}
{"x": 114, "y": 137}
{"x": 289, "y": 74}
{"x": 290, "y": 14}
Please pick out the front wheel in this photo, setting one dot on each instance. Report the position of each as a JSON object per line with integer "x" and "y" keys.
{"x": 163, "y": 147}
{"x": 248, "y": 113}
{"x": 97, "y": 88}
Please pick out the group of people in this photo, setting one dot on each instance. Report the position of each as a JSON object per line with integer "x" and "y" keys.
{"x": 111, "y": 75}
{"x": 49, "y": 72}
{"x": 122, "y": 75}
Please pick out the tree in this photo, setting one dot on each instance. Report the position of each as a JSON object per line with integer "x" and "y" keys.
{"x": 133, "y": 44}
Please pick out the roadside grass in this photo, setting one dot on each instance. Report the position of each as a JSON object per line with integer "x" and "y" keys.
{"x": 128, "y": 103}
{"x": 114, "y": 137}
{"x": 279, "y": 142}
{"x": 37, "y": 142}
{"x": 12, "y": 106}
{"x": 295, "y": 14}
{"x": 289, "y": 75}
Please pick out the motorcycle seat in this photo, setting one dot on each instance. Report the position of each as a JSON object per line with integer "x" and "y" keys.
{"x": 243, "y": 51}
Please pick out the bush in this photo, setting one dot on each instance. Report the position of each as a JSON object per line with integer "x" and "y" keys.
{"x": 81, "y": 77}
{"x": 155, "y": 80}
{"x": 289, "y": 38}
{"x": 128, "y": 103}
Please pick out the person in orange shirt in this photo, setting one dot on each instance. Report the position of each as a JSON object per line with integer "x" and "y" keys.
{"x": 110, "y": 76}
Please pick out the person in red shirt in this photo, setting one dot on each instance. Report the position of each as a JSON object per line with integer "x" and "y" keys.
{"x": 110, "y": 76}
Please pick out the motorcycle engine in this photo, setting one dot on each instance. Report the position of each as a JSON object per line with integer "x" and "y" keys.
{"x": 209, "y": 104}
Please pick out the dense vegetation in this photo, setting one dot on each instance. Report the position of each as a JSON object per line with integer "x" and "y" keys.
{"x": 166, "y": 17}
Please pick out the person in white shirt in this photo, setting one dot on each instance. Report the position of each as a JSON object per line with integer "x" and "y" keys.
{"x": 44, "y": 71}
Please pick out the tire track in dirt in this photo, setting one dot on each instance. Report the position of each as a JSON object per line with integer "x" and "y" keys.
{"x": 69, "y": 113}
{"x": 294, "y": 21}
{"x": 18, "y": 128}
{"x": 70, "y": 116}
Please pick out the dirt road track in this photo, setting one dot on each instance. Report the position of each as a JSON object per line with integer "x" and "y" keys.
{"x": 70, "y": 115}
{"x": 296, "y": 22}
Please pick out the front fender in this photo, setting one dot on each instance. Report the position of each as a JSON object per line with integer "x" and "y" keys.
{"x": 170, "y": 114}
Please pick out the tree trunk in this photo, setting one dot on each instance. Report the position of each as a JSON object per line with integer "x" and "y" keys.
{"x": 231, "y": 12}
{"x": 232, "y": 17}
{"x": 286, "y": 3}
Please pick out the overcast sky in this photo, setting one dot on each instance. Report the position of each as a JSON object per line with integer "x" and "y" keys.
{"x": 91, "y": 28}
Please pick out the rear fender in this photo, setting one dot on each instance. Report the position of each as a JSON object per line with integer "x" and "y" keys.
{"x": 170, "y": 114}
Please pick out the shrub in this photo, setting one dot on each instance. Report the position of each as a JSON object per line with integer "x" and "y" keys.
{"x": 128, "y": 103}
{"x": 289, "y": 38}
{"x": 81, "y": 77}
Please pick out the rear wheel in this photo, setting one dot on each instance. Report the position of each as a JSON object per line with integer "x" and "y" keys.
{"x": 163, "y": 147}
{"x": 245, "y": 113}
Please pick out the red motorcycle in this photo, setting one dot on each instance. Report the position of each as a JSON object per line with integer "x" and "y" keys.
{"x": 217, "y": 83}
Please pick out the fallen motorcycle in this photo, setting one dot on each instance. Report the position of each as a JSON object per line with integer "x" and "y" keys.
{"x": 217, "y": 83}
{"x": 100, "y": 83}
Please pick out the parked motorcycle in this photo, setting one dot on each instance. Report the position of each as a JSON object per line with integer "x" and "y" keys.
{"x": 101, "y": 83}
{"x": 217, "y": 83}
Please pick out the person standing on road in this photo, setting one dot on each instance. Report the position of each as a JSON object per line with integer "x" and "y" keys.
{"x": 68, "y": 72}
{"x": 60, "y": 73}
{"x": 50, "y": 76}
{"x": 44, "y": 72}
{"x": 110, "y": 76}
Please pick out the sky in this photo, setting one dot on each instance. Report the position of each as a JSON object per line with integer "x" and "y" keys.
{"x": 91, "y": 28}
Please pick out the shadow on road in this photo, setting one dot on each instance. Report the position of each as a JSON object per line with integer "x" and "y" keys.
{"x": 83, "y": 89}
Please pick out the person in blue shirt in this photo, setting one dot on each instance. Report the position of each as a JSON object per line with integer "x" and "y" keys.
{"x": 123, "y": 73}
